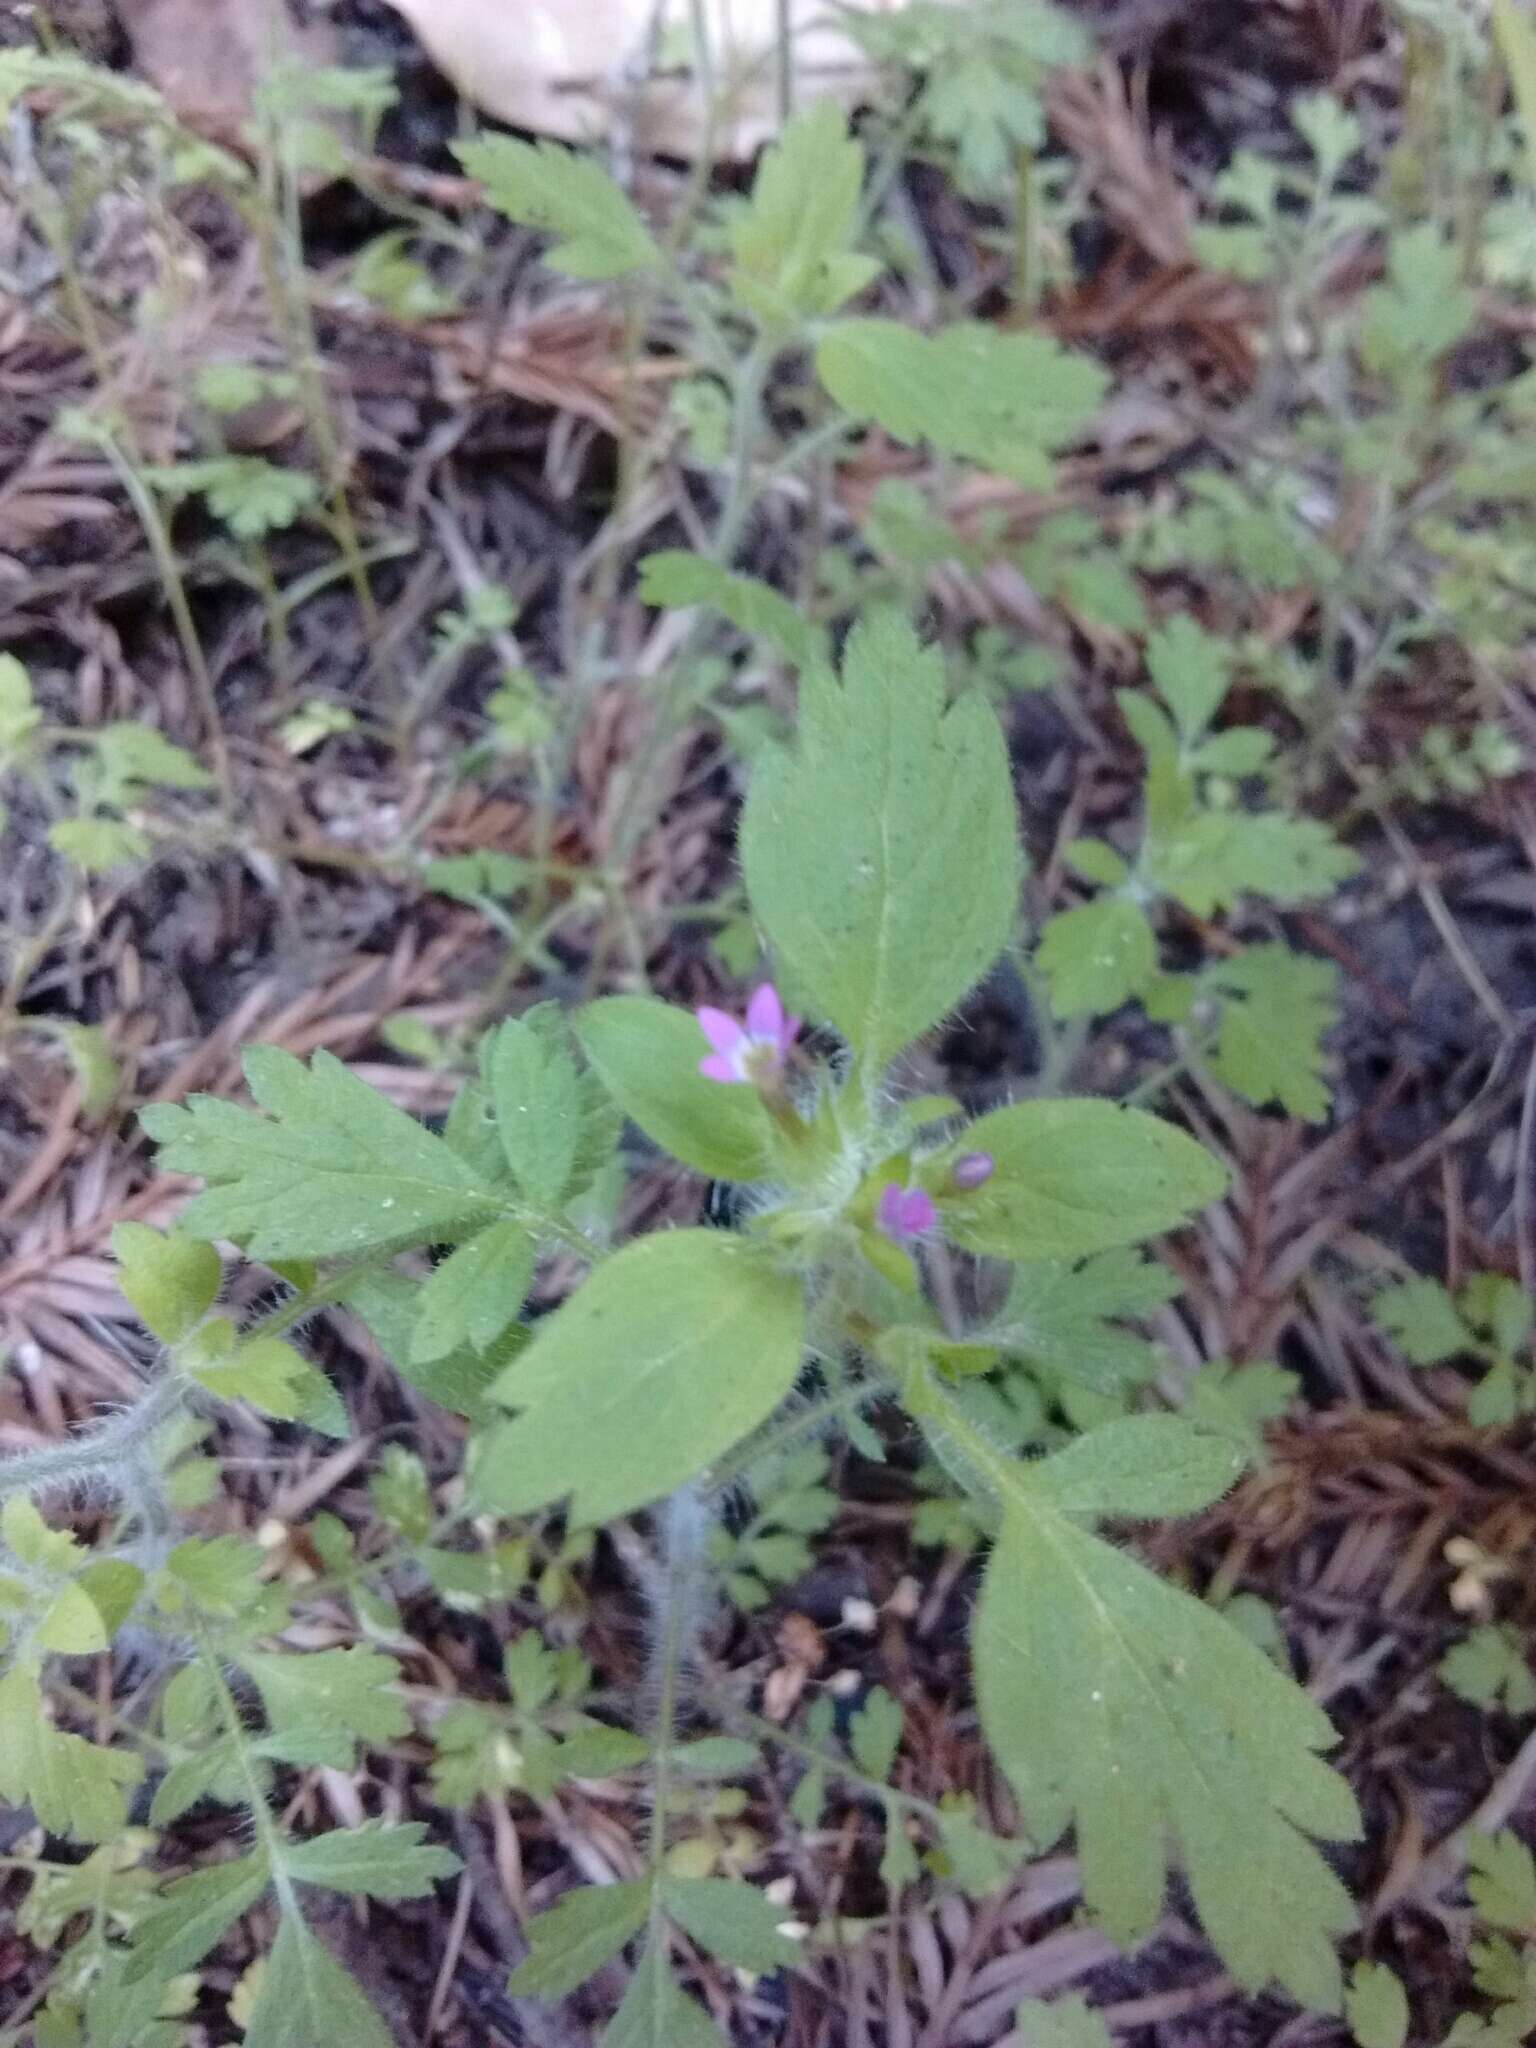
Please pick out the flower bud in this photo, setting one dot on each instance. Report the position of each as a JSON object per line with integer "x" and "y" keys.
{"x": 972, "y": 1170}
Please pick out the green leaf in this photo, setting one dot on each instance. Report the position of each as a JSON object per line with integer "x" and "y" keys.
{"x": 388, "y": 1305}
{"x": 1236, "y": 1401}
{"x": 378, "y": 1860}
{"x": 536, "y": 1091}
{"x": 251, "y": 496}
{"x": 1376, "y": 2007}
{"x": 113, "y": 1586}
{"x": 193, "y": 1916}
{"x": 474, "y": 1294}
{"x": 1115, "y": 1699}
{"x": 265, "y": 1371}
{"x": 1217, "y": 857}
{"x": 98, "y": 844}
{"x": 1073, "y": 1177}
{"x": 1423, "y": 308}
{"x": 979, "y": 1862}
{"x": 790, "y": 240}
{"x": 1192, "y": 672}
{"x": 73, "y": 1787}
{"x": 71, "y": 1623}
{"x": 332, "y": 1169}
{"x": 678, "y": 578}
{"x": 1003, "y": 400}
{"x": 32, "y": 1542}
{"x": 1515, "y": 35}
{"x": 647, "y": 1056}
{"x": 1062, "y": 1317}
{"x": 330, "y": 1700}
{"x": 565, "y": 193}
{"x": 130, "y": 755}
{"x": 1501, "y": 1881}
{"x": 1063, "y": 2023}
{"x": 657, "y": 2013}
{"x": 1423, "y": 1321}
{"x": 874, "y": 1734}
{"x": 1277, "y": 1006}
{"x": 1140, "y": 1466}
{"x": 19, "y": 714}
{"x": 306, "y": 1997}
{"x": 170, "y": 1282}
{"x": 1489, "y": 1668}
{"x": 731, "y": 1919}
{"x": 581, "y": 1932}
{"x": 673, "y": 1350}
{"x": 882, "y": 855}
{"x": 1097, "y": 957}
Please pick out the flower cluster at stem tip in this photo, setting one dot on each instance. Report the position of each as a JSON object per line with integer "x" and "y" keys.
{"x": 755, "y": 1052}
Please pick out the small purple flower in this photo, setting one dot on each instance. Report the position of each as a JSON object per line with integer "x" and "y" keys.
{"x": 905, "y": 1214}
{"x": 751, "y": 1052}
{"x": 972, "y": 1170}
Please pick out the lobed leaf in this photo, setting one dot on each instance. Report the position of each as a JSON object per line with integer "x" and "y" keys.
{"x": 332, "y": 1168}
{"x": 881, "y": 855}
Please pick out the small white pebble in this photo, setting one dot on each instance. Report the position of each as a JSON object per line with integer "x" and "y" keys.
{"x": 862, "y": 1616}
{"x": 844, "y": 1684}
{"x": 781, "y": 1892}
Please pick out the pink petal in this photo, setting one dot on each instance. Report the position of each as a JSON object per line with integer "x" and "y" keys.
{"x": 765, "y": 1014}
{"x": 723, "y": 1031}
{"x": 789, "y": 1031}
{"x": 719, "y": 1067}
{"x": 905, "y": 1213}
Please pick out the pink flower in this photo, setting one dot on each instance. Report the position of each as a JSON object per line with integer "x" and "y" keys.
{"x": 905, "y": 1213}
{"x": 753, "y": 1051}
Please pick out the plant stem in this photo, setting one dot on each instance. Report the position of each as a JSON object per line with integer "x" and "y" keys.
{"x": 103, "y": 1448}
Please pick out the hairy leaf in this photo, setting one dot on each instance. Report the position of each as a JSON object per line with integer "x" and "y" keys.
{"x": 332, "y": 1168}
{"x": 170, "y": 1281}
{"x": 1063, "y": 2023}
{"x": 1376, "y": 2006}
{"x": 647, "y": 1056}
{"x": 1097, "y": 956}
{"x": 1004, "y": 400}
{"x": 790, "y": 240}
{"x": 1139, "y": 1466}
{"x": 307, "y": 1997}
{"x": 378, "y": 1860}
{"x": 1073, "y": 1177}
{"x": 1115, "y": 1700}
{"x": 732, "y": 1919}
{"x": 657, "y": 2013}
{"x": 672, "y": 1351}
{"x": 538, "y": 1101}
{"x": 881, "y": 855}
{"x": 568, "y": 194}
{"x": 580, "y": 1932}
{"x": 329, "y": 1700}
{"x": 72, "y": 1786}
{"x": 193, "y": 1916}
{"x": 1278, "y": 1004}
{"x": 676, "y": 577}
{"x": 475, "y": 1293}
{"x": 1062, "y": 1317}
